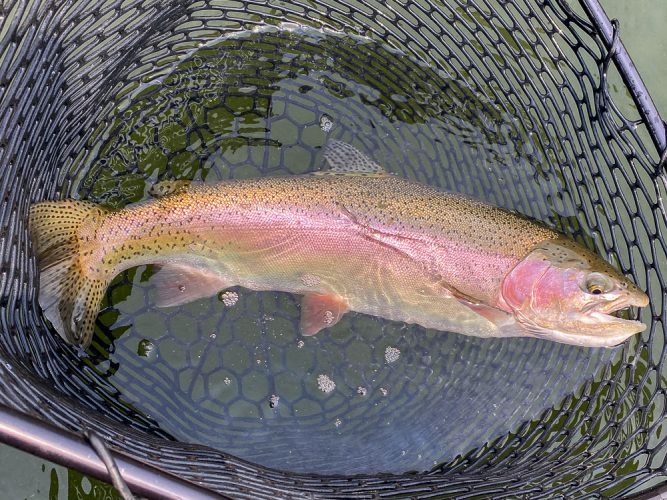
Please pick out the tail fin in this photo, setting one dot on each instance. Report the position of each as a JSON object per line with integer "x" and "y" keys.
{"x": 62, "y": 231}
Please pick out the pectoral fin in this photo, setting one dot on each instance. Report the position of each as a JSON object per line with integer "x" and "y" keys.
{"x": 495, "y": 316}
{"x": 178, "y": 284}
{"x": 320, "y": 311}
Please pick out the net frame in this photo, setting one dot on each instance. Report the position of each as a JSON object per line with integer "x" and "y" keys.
{"x": 42, "y": 44}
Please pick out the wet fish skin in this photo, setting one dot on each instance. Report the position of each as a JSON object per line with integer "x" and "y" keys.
{"x": 364, "y": 241}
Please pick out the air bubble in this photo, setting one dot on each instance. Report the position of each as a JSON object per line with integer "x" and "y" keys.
{"x": 391, "y": 354}
{"x": 326, "y": 122}
{"x": 229, "y": 298}
{"x": 325, "y": 383}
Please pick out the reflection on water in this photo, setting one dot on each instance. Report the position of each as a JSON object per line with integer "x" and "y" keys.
{"x": 28, "y": 476}
{"x": 232, "y": 372}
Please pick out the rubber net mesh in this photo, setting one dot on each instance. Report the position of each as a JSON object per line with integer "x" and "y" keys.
{"x": 507, "y": 101}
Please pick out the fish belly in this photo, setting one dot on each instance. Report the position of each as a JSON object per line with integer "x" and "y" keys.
{"x": 367, "y": 276}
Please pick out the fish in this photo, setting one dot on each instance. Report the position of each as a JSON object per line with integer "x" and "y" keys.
{"x": 352, "y": 237}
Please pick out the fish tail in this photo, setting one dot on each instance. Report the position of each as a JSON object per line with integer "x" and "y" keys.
{"x": 70, "y": 289}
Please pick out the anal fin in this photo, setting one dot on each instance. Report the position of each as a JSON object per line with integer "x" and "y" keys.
{"x": 320, "y": 311}
{"x": 178, "y": 284}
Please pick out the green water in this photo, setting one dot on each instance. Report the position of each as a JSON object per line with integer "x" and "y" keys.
{"x": 644, "y": 36}
{"x": 26, "y": 476}
{"x": 637, "y": 20}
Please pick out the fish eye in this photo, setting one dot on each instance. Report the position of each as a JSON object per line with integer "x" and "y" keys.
{"x": 597, "y": 283}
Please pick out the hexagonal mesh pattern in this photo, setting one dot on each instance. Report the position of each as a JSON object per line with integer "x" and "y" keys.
{"x": 505, "y": 101}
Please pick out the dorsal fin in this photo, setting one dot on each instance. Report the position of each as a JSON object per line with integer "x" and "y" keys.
{"x": 342, "y": 158}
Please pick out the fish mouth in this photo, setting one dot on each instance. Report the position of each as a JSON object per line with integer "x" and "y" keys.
{"x": 619, "y": 311}
{"x": 617, "y": 320}
{"x": 602, "y": 324}
{"x": 614, "y": 321}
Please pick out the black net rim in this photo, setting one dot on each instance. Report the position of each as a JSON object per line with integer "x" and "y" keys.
{"x": 27, "y": 396}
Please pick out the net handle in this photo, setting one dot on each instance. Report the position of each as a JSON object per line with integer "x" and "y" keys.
{"x": 46, "y": 441}
{"x": 629, "y": 73}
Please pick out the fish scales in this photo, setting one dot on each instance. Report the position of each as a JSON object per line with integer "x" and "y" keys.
{"x": 463, "y": 237}
{"x": 365, "y": 241}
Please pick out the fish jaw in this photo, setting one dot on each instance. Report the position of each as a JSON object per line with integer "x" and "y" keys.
{"x": 604, "y": 330}
{"x": 548, "y": 295}
{"x": 608, "y": 330}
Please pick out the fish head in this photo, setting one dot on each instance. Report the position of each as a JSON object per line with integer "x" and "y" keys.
{"x": 562, "y": 292}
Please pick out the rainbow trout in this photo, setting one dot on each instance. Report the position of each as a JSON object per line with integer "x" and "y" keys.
{"x": 353, "y": 238}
